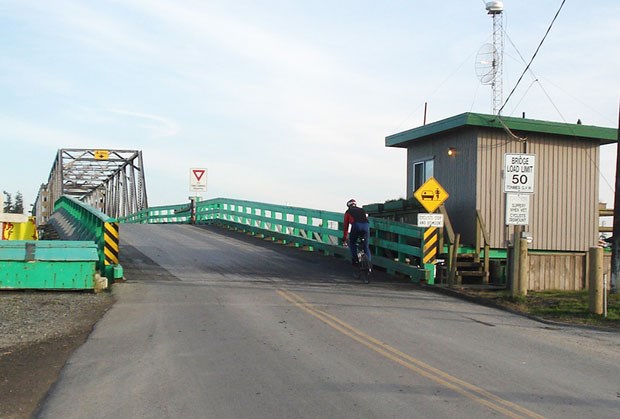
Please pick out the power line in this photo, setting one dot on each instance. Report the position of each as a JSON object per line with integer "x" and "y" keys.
{"x": 533, "y": 57}
{"x": 432, "y": 94}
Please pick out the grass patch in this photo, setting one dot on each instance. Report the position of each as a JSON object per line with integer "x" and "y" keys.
{"x": 564, "y": 306}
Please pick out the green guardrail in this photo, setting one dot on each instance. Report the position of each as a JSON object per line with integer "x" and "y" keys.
{"x": 80, "y": 221}
{"x": 169, "y": 214}
{"x": 396, "y": 247}
{"x": 50, "y": 265}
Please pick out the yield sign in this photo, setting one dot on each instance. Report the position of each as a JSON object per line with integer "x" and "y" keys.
{"x": 199, "y": 173}
{"x": 198, "y": 179}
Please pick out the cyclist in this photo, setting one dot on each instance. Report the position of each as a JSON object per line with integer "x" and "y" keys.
{"x": 358, "y": 220}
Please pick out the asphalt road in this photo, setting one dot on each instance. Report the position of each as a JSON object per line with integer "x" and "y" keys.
{"x": 214, "y": 324}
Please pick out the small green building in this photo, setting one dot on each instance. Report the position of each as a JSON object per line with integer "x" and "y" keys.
{"x": 466, "y": 154}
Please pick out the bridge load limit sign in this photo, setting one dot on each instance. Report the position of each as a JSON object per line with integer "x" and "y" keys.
{"x": 198, "y": 180}
{"x": 519, "y": 172}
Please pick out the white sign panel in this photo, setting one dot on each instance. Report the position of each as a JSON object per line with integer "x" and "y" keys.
{"x": 519, "y": 172}
{"x": 517, "y": 209}
{"x": 198, "y": 179}
{"x": 430, "y": 220}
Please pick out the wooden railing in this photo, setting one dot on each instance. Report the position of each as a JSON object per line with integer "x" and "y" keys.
{"x": 453, "y": 242}
{"x": 481, "y": 230}
{"x": 605, "y": 212}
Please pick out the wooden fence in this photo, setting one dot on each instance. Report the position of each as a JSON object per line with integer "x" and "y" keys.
{"x": 562, "y": 271}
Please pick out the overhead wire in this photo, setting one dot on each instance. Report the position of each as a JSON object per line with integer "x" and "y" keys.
{"x": 576, "y": 99}
{"x": 533, "y": 56}
{"x": 436, "y": 89}
{"x": 527, "y": 68}
{"x": 473, "y": 102}
{"x": 525, "y": 94}
{"x": 537, "y": 81}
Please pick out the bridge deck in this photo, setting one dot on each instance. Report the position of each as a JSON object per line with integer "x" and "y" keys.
{"x": 215, "y": 253}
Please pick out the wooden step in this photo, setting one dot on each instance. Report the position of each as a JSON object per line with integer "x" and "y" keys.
{"x": 466, "y": 256}
{"x": 472, "y": 265}
{"x": 471, "y": 273}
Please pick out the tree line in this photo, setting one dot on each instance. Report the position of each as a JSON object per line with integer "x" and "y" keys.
{"x": 13, "y": 207}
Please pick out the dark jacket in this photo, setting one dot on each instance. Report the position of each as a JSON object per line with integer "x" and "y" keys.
{"x": 353, "y": 215}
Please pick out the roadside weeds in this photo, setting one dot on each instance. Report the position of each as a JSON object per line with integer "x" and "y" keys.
{"x": 557, "y": 307}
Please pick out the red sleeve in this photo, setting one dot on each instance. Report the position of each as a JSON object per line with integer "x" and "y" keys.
{"x": 348, "y": 220}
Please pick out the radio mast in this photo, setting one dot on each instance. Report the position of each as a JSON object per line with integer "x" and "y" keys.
{"x": 495, "y": 9}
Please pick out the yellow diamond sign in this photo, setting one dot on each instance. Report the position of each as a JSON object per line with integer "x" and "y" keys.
{"x": 102, "y": 154}
{"x": 431, "y": 195}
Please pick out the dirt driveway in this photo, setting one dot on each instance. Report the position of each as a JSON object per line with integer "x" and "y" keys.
{"x": 38, "y": 332}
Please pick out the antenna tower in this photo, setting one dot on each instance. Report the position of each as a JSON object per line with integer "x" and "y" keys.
{"x": 495, "y": 9}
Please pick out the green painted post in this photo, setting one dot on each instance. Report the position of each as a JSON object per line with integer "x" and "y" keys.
{"x": 309, "y": 231}
{"x": 401, "y": 256}
{"x": 296, "y": 229}
{"x": 261, "y": 213}
{"x": 375, "y": 248}
{"x": 324, "y": 236}
{"x": 429, "y": 273}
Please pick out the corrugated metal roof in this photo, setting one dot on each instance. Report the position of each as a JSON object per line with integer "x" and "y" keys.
{"x": 519, "y": 125}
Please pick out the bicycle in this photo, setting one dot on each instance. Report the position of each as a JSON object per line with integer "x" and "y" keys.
{"x": 364, "y": 264}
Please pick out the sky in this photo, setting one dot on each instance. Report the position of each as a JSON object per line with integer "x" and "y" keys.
{"x": 284, "y": 102}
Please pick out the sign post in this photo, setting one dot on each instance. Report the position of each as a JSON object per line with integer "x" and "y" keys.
{"x": 197, "y": 183}
{"x": 431, "y": 195}
{"x": 519, "y": 181}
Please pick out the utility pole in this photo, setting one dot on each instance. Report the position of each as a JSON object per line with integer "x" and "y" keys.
{"x": 615, "y": 245}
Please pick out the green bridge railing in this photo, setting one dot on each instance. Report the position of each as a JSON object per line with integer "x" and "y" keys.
{"x": 75, "y": 220}
{"x": 396, "y": 247}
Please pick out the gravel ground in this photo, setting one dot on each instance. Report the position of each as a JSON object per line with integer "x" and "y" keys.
{"x": 38, "y": 332}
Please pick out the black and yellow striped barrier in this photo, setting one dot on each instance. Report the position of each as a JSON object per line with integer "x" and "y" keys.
{"x": 431, "y": 245}
{"x": 110, "y": 240}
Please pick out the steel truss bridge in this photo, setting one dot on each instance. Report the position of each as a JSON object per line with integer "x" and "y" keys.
{"x": 111, "y": 181}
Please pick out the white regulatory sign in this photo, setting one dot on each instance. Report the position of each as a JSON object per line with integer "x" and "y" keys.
{"x": 198, "y": 180}
{"x": 519, "y": 170}
{"x": 430, "y": 220}
{"x": 517, "y": 209}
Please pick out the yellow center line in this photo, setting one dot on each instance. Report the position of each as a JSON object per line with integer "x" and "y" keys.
{"x": 440, "y": 377}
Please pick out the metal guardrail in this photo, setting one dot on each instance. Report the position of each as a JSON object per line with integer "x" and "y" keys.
{"x": 396, "y": 247}
{"x": 75, "y": 220}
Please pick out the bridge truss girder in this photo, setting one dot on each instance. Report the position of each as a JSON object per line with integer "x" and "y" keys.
{"x": 110, "y": 180}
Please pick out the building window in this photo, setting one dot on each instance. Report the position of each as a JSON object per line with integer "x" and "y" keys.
{"x": 422, "y": 171}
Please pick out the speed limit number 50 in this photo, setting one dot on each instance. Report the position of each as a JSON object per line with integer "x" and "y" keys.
{"x": 519, "y": 170}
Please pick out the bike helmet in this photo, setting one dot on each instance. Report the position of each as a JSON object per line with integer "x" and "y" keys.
{"x": 351, "y": 203}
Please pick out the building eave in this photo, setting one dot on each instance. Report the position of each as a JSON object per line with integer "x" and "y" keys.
{"x": 601, "y": 135}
